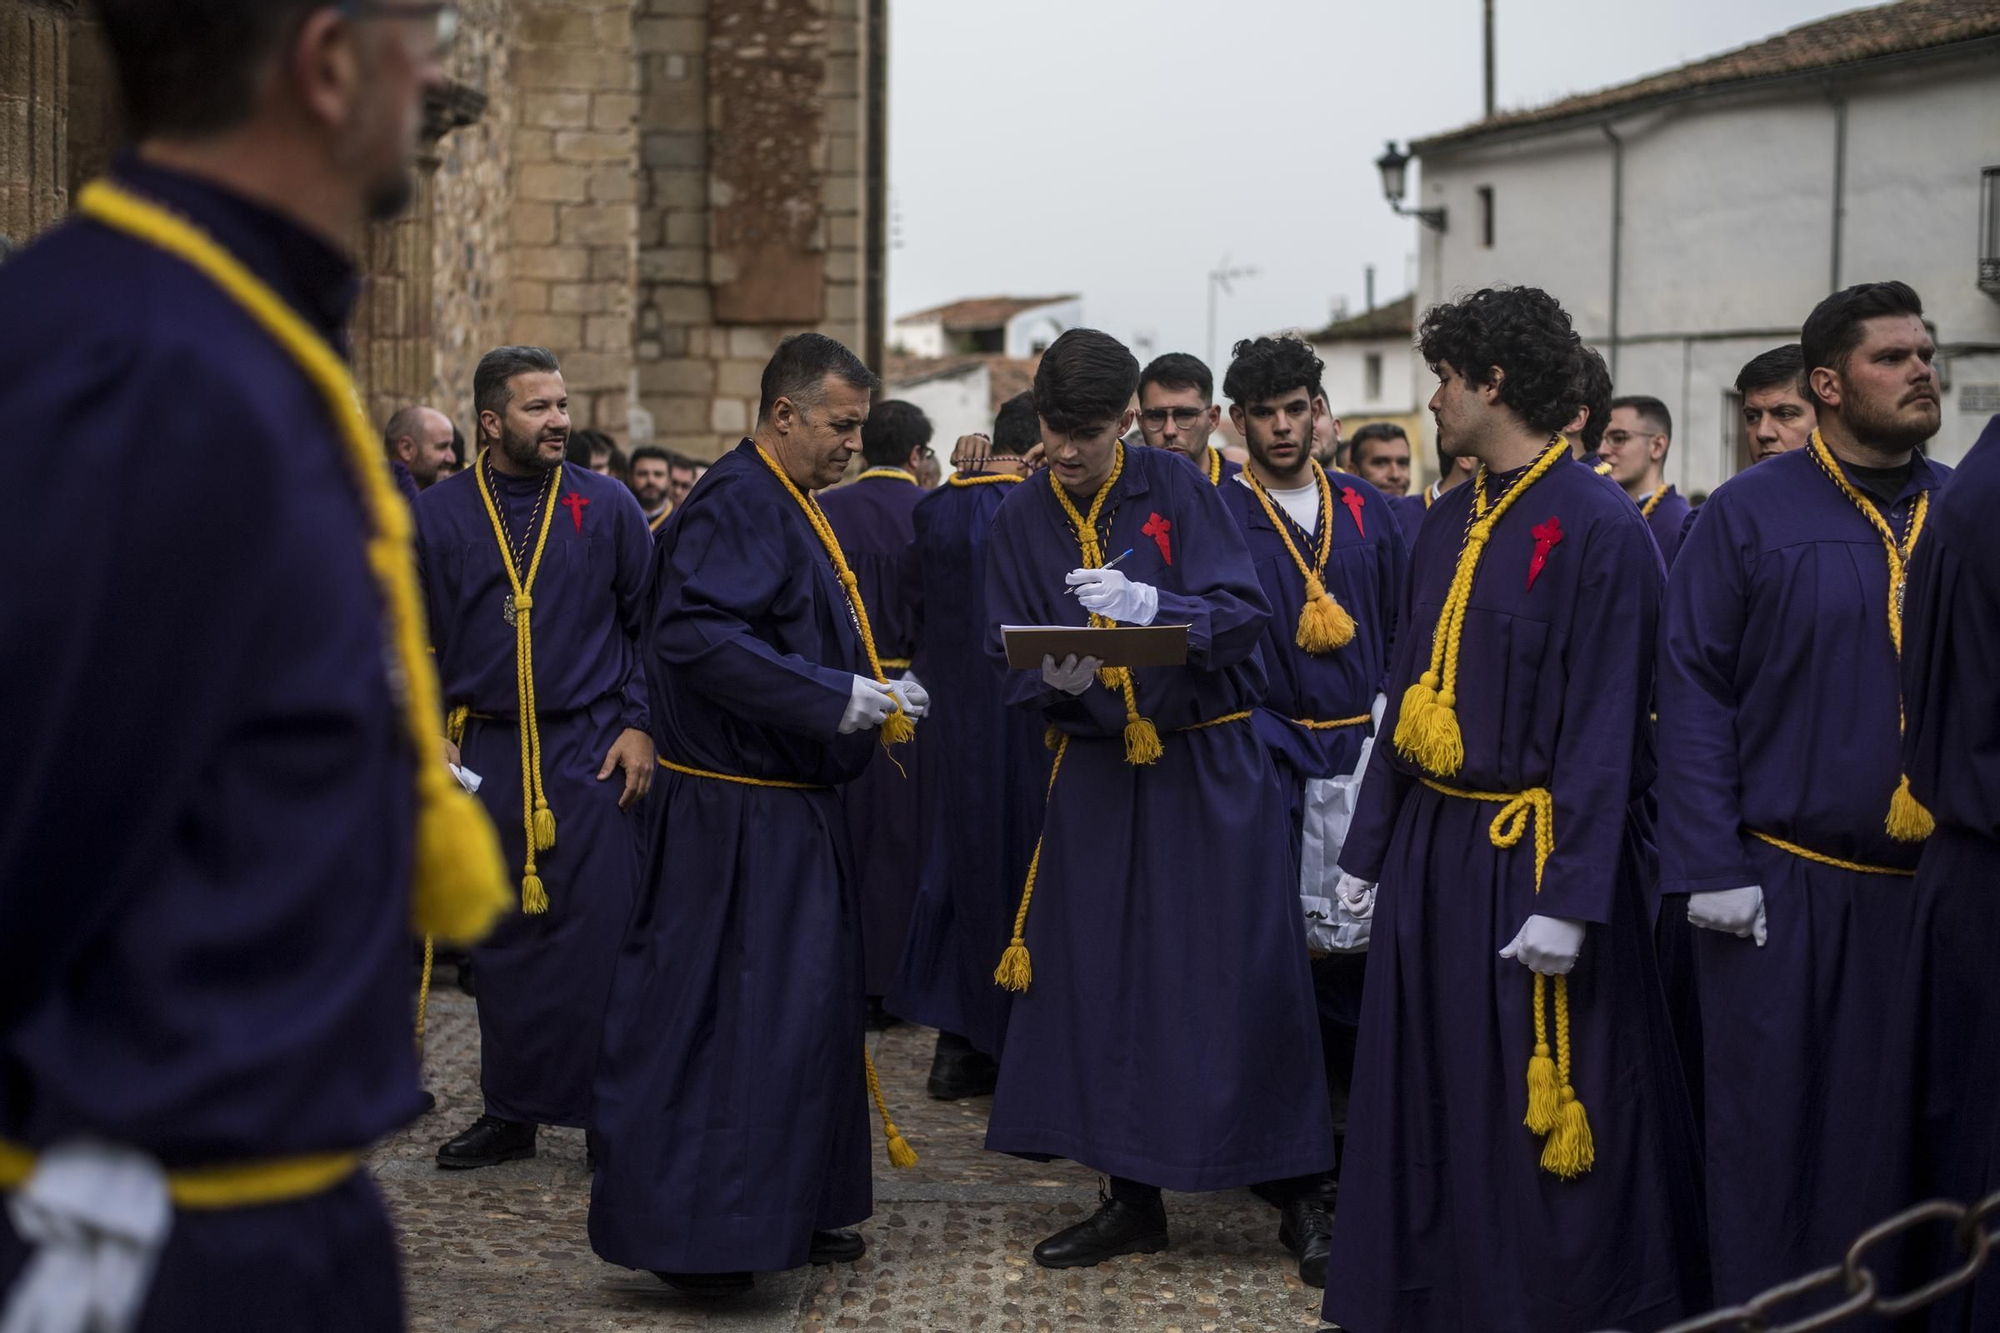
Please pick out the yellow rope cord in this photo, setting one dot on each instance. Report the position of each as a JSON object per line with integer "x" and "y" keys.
{"x": 886, "y": 474}
{"x": 901, "y": 1154}
{"x": 655, "y": 524}
{"x": 1604, "y": 468}
{"x": 1822, "y": 858}
{"x": 1334, "y": 723}
{"x": 459, "y": 884}
{"x": 1427, "y": 729}
{"x": 1214, "y": 466}
{"x": 1907, "y": 820}
{"x": 236, "y": 1185}
{"x": 1015, "y": 970}
{"x": 1142, "y": 740}
{"x": 424, "y": 997}
{"x": 898, "y": 727}
{"x": 959, "y": 479}
{"x": 895, "y": 664}
{"x": 1653, "y": 502}
{"x": 732, "y": 777}
{"x": 1324, "y": 624}
{"x": 538, "y": 822}
{"x": 1553, "y": 1108}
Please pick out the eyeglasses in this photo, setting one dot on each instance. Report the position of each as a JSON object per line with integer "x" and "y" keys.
{"x": 1184, "y": 417}
{"x": 443, "y": 17}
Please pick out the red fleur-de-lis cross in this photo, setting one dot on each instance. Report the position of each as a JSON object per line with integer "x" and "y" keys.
{"x": 1352, "y": 499}
{"x": 1157, "y": 528}
{"x": 575, "y": 503}
{"x": 1547, "y": 536}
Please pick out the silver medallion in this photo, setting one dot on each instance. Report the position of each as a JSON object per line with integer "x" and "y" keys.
{"x": 507, "y": 609}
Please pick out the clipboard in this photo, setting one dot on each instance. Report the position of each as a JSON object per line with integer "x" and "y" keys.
{"x": 1116, "y": 645}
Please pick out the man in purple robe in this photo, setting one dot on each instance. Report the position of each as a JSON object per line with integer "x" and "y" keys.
{"x": 534, "y": 575}
{"x": 1940, "y": 1084}
{"x": 1331, "y": 559}
{"x": 1410, "y": 509}
{"x": 730, "y": 1114}
{"x": 210, "y": 812}
{"x": 418, "y": 441}
{"x": 1519, "y": 1144}
{"x": 1635, "y": 444}
{"x": 1164, "y": 1031}
{"x": 1779, "y": 768}
{"x": 988, "y": 769}
{"x": 871, "y": 516}
{"x": 1178, "y": 412}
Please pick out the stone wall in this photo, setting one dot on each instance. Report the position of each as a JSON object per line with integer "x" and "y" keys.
{"x": 656, "y": 190}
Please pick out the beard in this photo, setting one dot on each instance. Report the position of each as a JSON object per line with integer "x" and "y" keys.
{"x": 1300, "y": 464}
{"x": 525, "y": 451}
{"x": 1888, "y": 425}
{"x": 650, "y": 497}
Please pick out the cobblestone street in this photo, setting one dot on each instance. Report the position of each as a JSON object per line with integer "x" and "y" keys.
{"x": 504, "y": 1249}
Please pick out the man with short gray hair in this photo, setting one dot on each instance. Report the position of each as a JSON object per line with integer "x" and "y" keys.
{"x": 731, "y": 1107}
{"x": 522, "y": 541}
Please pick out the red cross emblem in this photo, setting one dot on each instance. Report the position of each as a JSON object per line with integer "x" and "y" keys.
{"x": 1547, "y": 537}
{"x": 1157, "y": 528}
{"x": 1352, "y": 499}
{"x": 575, "y": 503}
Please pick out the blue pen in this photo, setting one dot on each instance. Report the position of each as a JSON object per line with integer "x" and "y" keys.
{"x": 1107, "y": 565}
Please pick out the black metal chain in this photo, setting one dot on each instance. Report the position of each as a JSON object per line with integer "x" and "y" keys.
{"x": 1974, "y": 1234}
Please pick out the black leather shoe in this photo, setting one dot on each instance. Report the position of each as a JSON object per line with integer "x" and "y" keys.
{"x": 708, "y": 1284}
{"x": 879, "y": 1018}
{"x": 489, "y": 1142}
{"x": 1115, "y": 1228}
{"x": 836, "y": 1247}
{"x": 430, "y": 1102}
{"x": 1308, "y": 1232}
{"x": 960, "y": 1070}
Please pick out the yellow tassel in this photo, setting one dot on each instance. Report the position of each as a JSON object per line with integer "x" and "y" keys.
{"x": 1014, "y": 972}
{"x": 901, "y": 1155}
{"x": 1908, "y": 820}
{"x": 898, "y": 729}
{"x": 1427, "y": 729}
{"x": 1569, "y": 1151}
{"x": 1113, "y": 678}
{"x": 1542, "y": 1102}
{"x": 534, "y": 898}
{"x": 545, "y": 827}
{"x": 1142, "y": 742}
{"x": 460, "y": 885}
{"x": 1324, "y": 624}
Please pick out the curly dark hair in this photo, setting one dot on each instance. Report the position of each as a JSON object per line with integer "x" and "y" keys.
{"x": 1263, "y": 368}
{"x": 1596, "y": 389}
{"x": 1524, "y": 332}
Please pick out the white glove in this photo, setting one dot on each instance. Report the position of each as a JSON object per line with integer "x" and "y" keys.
{"x": 1376, "y": 711}
{"x": 1073, "y": 676}
{"x": 1111, "y": 595}
{"x": 869, "y": 703}
{"x": 466, "y": 778}
{"x": 98, "y": 1217}
{"x": 1547, "y": 944}
{"x": 916, "y": 700}
{"x": 1342, "y": 923}
{"x": 1731, "y": 911}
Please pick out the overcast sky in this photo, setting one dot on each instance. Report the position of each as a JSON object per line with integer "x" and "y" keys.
{"x": 1121, "y": 148}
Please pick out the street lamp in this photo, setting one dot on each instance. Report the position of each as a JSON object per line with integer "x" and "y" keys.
{"x": 1394, "y": 166}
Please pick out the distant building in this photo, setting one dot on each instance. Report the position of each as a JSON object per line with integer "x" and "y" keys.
{"x": 1012, "y": 326}
{"x": 960, "y": 394}
{"x": 1692, "y": 219}
{"x": 1372, "y": 371}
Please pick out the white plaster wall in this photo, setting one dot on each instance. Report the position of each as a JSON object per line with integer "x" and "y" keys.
{"x": 1347, "y": 382}
{"x": 957, "y": 405}
{"x": 1042, "y": 324}
{"x": 919, "y": 338}
{"x": 1728, "y": 235}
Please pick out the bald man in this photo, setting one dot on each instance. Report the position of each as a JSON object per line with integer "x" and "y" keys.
{"x": 418, "y": 442}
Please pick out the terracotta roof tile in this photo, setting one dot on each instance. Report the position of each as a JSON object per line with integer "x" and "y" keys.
{"x": 982, "y": 312}
{"x": 1862, "y": 34}
{"x": 1394, "y": 320}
